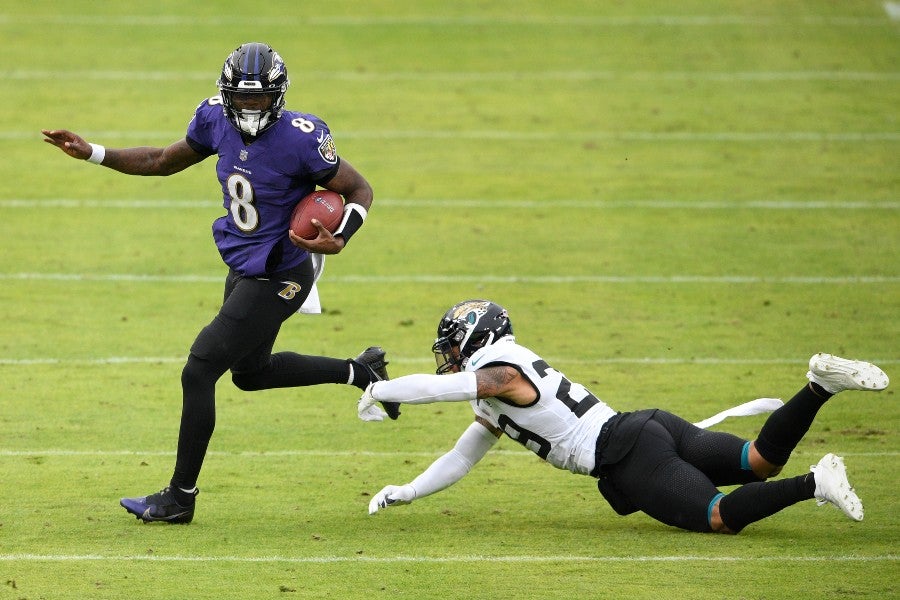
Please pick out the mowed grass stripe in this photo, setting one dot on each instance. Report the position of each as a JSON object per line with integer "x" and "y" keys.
{"x": 475, "y": 558}
{"x": 646, "y": 360}
{"x": 475, "y": 76}
{"x": 580, "y": 21}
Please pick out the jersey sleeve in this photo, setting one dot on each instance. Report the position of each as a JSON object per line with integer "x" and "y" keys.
{"x": 506, "y": 352}
{"x": 199, "y": 134}
{"x": 481, "y": 358}
{"x": 315, "y": 146}
{"x": 480, "y": 411}
{"x": 495, "y": 354}
{"x": 325, "y": 176}
{"x": 500, "y": 353}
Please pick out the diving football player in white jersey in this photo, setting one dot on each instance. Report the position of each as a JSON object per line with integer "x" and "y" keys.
{"x": 648, "y": 460}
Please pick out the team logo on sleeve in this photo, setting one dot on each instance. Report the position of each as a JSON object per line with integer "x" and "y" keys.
{"x": 327, "y": 150}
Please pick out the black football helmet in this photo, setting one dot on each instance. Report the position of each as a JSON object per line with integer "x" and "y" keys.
{"x": 468, "y": 326}
{"x": 253, "y": 68}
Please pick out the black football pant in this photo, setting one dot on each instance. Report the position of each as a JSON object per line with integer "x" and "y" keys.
{"x": 240, "y": 338}
{"x": 674, "y": 469}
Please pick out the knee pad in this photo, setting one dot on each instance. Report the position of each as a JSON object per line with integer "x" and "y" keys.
{"x": 199, "y": 372}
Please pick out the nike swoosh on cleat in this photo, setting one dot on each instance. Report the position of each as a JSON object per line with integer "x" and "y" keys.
{"x": 148, "y": 517}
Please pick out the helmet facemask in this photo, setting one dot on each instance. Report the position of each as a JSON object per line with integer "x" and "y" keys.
{"x": 447, "y": 353}
{"x": 249, "y": 121}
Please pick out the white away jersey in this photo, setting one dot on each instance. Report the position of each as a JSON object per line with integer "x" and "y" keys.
{"x": 561, "y": 426}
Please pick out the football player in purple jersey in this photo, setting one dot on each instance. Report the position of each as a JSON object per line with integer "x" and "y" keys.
{"x": 268, "y": 159}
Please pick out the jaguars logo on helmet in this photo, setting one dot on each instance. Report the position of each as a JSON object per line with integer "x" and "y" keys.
{"x": 465, "y": 328}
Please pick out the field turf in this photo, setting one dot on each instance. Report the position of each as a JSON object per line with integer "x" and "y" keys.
{"x": 678, "y": 204}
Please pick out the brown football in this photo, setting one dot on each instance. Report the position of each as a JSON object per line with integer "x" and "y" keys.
{"x": 325, "y": 206}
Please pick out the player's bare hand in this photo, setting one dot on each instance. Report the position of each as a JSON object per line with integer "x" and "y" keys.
{"x": 324, "y": 243}
{"x": 68, "y": 142}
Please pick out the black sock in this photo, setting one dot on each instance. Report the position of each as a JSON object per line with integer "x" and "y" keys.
{"x": 754, "y": 501}
{"x": 785, "y": 427}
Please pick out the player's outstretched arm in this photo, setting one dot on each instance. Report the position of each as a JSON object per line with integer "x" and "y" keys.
{"x": 471, "y": 447}
{"x": 142, "y": 160}
{"x": 417, "y": 389}
{"x": 499, "y": 381}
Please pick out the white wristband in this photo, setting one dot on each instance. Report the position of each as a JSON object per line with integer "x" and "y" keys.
{"x": 98, "y": 153}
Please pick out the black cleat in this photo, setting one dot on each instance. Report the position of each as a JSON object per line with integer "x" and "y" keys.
{"x": 161, "y": 506}
{"x": 373, "y": 358}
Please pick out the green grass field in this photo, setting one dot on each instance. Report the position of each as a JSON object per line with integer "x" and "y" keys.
{"x": 678, "y": 204}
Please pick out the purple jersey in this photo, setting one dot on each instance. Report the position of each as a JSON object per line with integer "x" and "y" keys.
{"x": 262, "y": 183}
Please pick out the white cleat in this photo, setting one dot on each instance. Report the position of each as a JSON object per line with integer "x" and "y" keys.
{"x": 833, "y": 487}
{"x": 836, "y": 374}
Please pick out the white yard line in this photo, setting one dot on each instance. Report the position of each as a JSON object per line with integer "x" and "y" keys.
{"x": 568, "y": 21}
{"x": 485, "y": 203}
{"x": 500, "y": 135}
{"x": 501, "y": 279}
{"x": 63, "y": 453}
{"x": 893, "y": 10}
{"x": 637, "y": 360}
